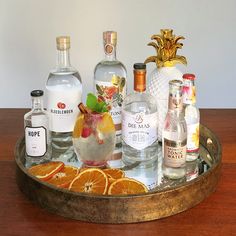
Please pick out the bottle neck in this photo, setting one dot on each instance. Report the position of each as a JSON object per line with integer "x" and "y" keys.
{"x": 63, "y": 59}
{"x": 189, "y": 92}
{"x": 175, "y": 103}
{"x": 110, "y": 52}
{"x": 37, "y": 103}
{"x": 140, "y": 81}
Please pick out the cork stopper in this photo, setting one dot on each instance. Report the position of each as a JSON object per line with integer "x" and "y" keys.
{"x": 110, "y": 37}
{"x": 63, "y": 43}
{"x": 140, "y": 77}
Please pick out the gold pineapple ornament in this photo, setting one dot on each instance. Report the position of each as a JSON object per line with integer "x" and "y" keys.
{"x": 166, "y": 45}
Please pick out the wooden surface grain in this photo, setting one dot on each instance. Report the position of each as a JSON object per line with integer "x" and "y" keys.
{"x": 216, "y": 215}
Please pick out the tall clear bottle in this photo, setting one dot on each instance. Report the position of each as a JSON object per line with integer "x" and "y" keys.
{"x": 37, "y": 134}
{"x": 110, "y": 84}
{"x": 174, "y": 134}
{"x": 192, "y": 116}
{"x": 139, "y": 121}
{"x": 64, "y": 90}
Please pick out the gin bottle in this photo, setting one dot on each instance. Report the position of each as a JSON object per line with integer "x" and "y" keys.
{"x": 37, "y": 135}
{"x": 139, "y": 121}
{"x": 110, "y": 84}
{"x": 64, "y": 89}
{"x": 192, "y": 117}
{"x": 174, "y": 134}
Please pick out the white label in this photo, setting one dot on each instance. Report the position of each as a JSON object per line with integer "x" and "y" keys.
{"x": 113, "y": 93}
{"x": 63, "y": 109}
{"x": 139, "y": 130}
{"x": 35, "y": 141}
{"x": 174, "y": 153}
{"x": 193, "y": 137}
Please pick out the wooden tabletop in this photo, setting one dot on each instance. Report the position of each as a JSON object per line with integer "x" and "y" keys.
{"x": 216, "y": 215}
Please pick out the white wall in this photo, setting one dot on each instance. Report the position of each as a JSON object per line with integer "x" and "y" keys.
{"x": 28, "y": 29}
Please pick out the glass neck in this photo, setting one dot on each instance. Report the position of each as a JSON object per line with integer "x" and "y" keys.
{"x": 189, "y": 93}
{"x": 110, "y": 52}
{"x": 37, "y": 103}
{"x": 63, "y": 59}
{"x": 139, "y": 91}
{"x": 175, "y": 103}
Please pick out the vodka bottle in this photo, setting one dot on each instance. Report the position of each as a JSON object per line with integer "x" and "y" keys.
{"x": 139, "y": 121}
{"x": 174, "y": 134}
{"x": 192, "y": 117}
{"x": 37, "y": 135}
{"x": 64, "y": 89}
{"x": 110, "y": 84}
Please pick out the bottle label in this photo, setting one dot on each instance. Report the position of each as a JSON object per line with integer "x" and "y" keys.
{"x": 189, "y": 95}
{"x": 193, "y": 137}
{"x": 113, "y": 93}
{"x": 174, "y": 153}
{"x": 35, "y": 141}
{"x": 63, "y": 109}
{"x": 139, "y": 130}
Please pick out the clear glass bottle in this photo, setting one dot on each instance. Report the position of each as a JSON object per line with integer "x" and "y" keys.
{"x": 110, "y": 84}
{"x": 174, "y": 134}
{"x": 139, "y": 121}
{"x": 192, "y": 117}
{"x": 64, "y": 90}
{"x": 37, "y": 134}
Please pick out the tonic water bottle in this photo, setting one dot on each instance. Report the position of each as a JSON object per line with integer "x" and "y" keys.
{"x": 174, "y": 134}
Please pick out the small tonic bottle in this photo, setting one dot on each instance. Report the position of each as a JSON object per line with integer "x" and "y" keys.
{"x": 174, "y": 134}
{"x": 192, "y": 117}
{"x": 64, "y": 90}
{"x": 37, "y": 134}
{"x": 139, "y": 121}
{"x": 110, "y": 85}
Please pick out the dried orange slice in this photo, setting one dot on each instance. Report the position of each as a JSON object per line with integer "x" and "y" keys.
{"x": 64, "y": 177}
{"x": 46, "y": 170}
{"x": 91, "y": 180}
{"x": 114, "y": 173}
{"x": 126, "y": 186}
{"x": 78, "y": 126}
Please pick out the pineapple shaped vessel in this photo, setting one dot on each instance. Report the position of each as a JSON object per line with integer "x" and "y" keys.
{"x": 166, "y": 47}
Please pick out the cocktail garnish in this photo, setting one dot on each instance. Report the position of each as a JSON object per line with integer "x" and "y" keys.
{"x": 95, "y": 104}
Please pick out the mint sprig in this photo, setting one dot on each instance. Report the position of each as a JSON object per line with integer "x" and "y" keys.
{"x": 93, "y": 104}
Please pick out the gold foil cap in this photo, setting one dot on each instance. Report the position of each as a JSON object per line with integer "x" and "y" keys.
{"x": 63, "y": 43}
{"x": 139, "y": 77}
{"x": 110, "y": 37}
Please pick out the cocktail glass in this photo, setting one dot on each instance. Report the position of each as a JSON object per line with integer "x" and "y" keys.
{"x": 94, "y": 138}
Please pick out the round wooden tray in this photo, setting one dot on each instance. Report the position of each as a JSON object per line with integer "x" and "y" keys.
{"x": 124, "y": 209}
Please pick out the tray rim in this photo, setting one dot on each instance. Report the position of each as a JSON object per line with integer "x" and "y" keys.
{"x": 216, "y": 165}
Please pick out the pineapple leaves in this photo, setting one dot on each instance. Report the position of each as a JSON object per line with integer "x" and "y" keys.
{"x": 166, "y": 47}
{"x": 150, "y": 59}
{"x": 178, "y": 38}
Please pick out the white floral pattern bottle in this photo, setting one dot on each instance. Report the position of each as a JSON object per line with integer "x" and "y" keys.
{"x": 192, "y": 117}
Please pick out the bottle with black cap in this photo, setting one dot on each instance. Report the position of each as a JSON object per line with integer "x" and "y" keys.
{"x": 37, "y": 135}
{"x": 139, "y": 121}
